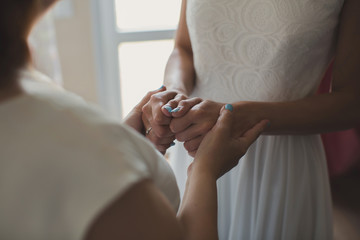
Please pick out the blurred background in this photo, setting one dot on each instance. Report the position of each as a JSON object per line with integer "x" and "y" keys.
{"x": 110, "y": 52}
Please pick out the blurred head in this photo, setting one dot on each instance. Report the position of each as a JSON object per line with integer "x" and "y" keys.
{"x": 17, "y": 18}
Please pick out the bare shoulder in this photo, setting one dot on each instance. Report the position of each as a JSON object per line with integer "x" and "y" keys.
{"x": 142, "y": 212}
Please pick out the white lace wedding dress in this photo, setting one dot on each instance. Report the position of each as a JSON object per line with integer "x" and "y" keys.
{"x": 266, "y": 50}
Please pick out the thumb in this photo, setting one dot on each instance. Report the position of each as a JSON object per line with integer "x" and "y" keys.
{"x": 225, "y": 120}
{"x": 252, "y": 134}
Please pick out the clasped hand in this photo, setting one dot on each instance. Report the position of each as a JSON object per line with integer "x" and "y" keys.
{"x": 171, "y": 115}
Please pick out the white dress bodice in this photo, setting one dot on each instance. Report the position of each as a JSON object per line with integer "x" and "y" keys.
{"x": 261, "y": 50}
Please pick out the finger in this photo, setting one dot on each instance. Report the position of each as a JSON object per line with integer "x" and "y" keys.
{"x": 152, "y": 109}
{"x": 158, "y": 118}
{"x": 163, "y": 148}
{"x": 161, "y": 131}
{"x": 160, "y": 140}
{"x": 172, "y": 104}
{"x": 192, "y": 154}
{"x": 184, "y": 106}
{"x": 193, "y": 144}
{"x": 145, "y": 121}
{"x": 193, "y": 131}
{"x": 168, "y": 108}
{"x": 178, "y": 98}
{"x": 225, "y": 120}
{"x": 160, "y": 98}
{"x": 180, "y": 124}
{"x": 147, "y": 97}
{"x": 166, "y": 96}
{"x": 251, "y": 135}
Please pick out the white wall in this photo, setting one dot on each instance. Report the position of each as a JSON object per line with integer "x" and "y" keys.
{"x": 75, "y": 45}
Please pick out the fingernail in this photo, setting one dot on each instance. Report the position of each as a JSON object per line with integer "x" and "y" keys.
{"x": 162, "y": 86}
{"x": 268, "y": 124}
{"x": 229, "y": 107}
{"x": 172, "y": 144}
{"x": 168, "y": 108}
{"x": 176, "y": 110}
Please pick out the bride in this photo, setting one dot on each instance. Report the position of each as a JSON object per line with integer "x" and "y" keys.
{"x": 267, "y": 58}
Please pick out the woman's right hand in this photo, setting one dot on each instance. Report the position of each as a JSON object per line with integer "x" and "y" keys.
{"x": 157, "y": 116}
{"x": 221, "y": 149}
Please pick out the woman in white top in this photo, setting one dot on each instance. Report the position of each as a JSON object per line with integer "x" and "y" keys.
{"x": 67, "y": 172}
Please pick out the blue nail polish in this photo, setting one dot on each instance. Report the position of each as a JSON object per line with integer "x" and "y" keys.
{"x": 172, "y": 144}
{"x": 168, "y": 108}
{"x": 229, "y": 107}
{"x": 176, "y": 110}
{"x": 162, "y": 86}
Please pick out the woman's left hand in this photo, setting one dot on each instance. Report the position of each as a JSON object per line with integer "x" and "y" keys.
{"x": 222, "y": 147}
{"x": 192, "y": 127}
{"x": 134, "y": 118}
{"x": 195, "y": 124}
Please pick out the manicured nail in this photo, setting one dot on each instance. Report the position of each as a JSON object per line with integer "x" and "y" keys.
{"x": 229, "y": 107}
{"x": 176, "y": 110}
{"x": 172, "y": 144}
{"x": 162, "y": 86}
{"x": 168, "y": 108}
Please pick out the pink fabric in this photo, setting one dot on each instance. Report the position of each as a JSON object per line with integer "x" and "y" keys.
{"x": 342, "y": 148}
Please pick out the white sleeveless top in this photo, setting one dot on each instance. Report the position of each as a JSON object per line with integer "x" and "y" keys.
{"x": 62, "y": 162}
{"x": 266, "y": 50}
{"x": 261, "y": 50}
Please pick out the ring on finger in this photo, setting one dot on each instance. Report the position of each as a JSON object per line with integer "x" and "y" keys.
{"x": 148, "y": 131}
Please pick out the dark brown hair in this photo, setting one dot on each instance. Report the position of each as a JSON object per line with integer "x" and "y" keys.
{"x": 15, "y": 19}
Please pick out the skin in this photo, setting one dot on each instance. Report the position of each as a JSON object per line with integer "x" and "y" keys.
{"x": 10, "y": 92}
{"x": 334, "y": 111}
{"x": 144, "y": 207}
{"x": 156, "y": 116}
{"x": 143, "y": 212}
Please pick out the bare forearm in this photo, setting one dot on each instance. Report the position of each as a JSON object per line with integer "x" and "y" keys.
{"x": 198, "y": 212}
{"x": 218, "y": 153}
{"x": 312, "y": 115}
{"x": 180, "y": 73}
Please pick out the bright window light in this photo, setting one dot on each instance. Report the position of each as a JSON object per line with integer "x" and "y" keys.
{"x": 142, "y": 66}
{"x": 134, "y": 15}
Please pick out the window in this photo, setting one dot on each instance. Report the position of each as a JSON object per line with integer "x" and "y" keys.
{"x": 134, "y": 39}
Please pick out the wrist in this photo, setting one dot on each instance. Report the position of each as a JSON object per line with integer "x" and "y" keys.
{"x": 255, "y": 112}
{"x": 179, "y": 87}
{"x": 241, "y": 106}
{"x": 180, "y": 90}
{"x": 200, "y": 167}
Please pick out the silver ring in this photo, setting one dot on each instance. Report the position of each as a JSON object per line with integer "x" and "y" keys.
{"x": 148, "y": 131}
